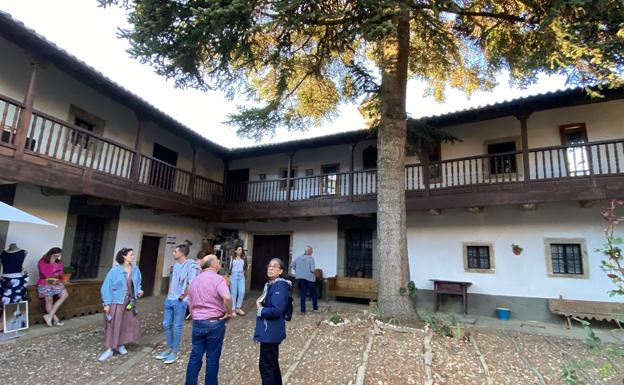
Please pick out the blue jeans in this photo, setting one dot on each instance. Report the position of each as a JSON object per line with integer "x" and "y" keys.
{"x": 173, "y": 322}
{"x": 207, "y": 338}
{"x": 304, "y": 285}
{"x": 237, "y": 287}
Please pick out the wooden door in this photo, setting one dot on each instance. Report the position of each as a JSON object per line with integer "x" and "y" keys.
{"x": 236, "y": 188}
{"x": 265, "y": 248}
{"x": 148, "y": 261}
{"x": 161, "y": 175}
{"x": 87, "y": 246}
{"x": 330, "y": 184}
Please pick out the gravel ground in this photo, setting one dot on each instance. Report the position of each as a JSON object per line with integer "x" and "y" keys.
{"x": 314, "y": 353}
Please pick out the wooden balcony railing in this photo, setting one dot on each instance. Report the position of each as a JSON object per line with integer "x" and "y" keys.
{"x": 55, "y": 139}
{"x": 589, "y": 160}
{"x": 9, "y": 115}
{"x": 59, "y": 140}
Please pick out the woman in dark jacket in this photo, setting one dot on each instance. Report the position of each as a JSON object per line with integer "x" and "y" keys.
{"x": 270, "y": 324}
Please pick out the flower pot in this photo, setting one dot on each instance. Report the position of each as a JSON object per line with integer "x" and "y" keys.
{"x": 503, "y": 313}
{"x": 359, "y": 274}
{"x": 458, "y": 331}
{"x": 66, "y": 278}
{"x": 517, "y": 251}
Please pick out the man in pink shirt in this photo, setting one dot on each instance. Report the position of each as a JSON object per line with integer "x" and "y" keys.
{"x": 210, "y": 304}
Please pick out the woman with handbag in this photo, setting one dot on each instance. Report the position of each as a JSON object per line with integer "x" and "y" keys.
{"x": 49, "y": 285}
{"x": 270, "y": 324}
{"x": 120, "y": 290}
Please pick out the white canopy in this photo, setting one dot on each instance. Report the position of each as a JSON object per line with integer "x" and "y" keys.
{"x": 11, "y": 214}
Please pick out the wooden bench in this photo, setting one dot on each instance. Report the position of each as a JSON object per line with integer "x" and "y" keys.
{"x": 600, "y": 311}
{"x": 84, "y": 298}
{"x": 352, "y": 287}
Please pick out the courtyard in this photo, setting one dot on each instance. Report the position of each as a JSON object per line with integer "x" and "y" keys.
{"x": 363, "y": 351}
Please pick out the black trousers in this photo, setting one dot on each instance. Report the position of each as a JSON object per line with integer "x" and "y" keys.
{"x": 269, "y": 364}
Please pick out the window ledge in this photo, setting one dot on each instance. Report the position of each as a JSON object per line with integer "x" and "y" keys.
{"x": 573, "y": 276}
{"x": 486, "y": 271}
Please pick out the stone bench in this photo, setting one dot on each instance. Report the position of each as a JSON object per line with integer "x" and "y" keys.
{"x": 352, "y": 287}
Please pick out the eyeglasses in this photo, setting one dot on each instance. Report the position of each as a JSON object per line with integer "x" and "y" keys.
{"x": 274, "y": 267}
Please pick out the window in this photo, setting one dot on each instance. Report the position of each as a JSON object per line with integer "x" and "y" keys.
{"x": 576, "y": 157}
{"x": 78, "y": 138}
{"x": 283, "y": 174}
{"x": 88, "y": 122}
{"x": 369, "y": 158}
{"x": 435, "y": 156}
{"x": 502, "y": 157}
{"x": 478, "y": 257}
{"x": 566, "y": 257}
{"x": 309, "y": 172}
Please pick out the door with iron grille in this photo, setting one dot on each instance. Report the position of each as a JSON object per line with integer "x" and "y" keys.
{"x": 359, "y": 243}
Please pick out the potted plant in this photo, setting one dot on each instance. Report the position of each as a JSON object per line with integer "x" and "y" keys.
{"x": 67, "y": 273}
{"x": 457, "y": 329}
{"x": 359, "y": 271}
{"x": 517, "y": 250}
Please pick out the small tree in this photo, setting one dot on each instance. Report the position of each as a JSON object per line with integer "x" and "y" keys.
{"x": 297, "y": 60}
{"x": 613, "y": 264}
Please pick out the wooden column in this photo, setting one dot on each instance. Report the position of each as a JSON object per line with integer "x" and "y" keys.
{"x": 288, "y": 175}
{"x": 425, "y": 174}
{"x": 191, "y": 187}
{"x": 523, "y": 117}
{"x": 135, "y": 171}
{"x": 26, "y": 114}
{"x": 352, "y": 148}
{"x": 226, "y": 167}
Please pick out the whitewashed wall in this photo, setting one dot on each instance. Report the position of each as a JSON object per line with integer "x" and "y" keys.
{"x": 38, "y": 239}
{"x": 435, "y": 249}
{"x": 133, "y": 223}
{"x": 320, "y": 233}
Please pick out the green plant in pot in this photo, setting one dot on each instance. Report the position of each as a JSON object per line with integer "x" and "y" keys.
{"x": 517, "y": 250}
{"x": 67, "y": 273}
{"x": 457, "y": 328}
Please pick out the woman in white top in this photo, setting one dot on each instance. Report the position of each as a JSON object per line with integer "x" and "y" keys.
{"x": 238, "y": 266}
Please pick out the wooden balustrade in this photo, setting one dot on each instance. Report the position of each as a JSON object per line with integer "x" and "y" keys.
{"x": 9, "y": 116}
{"x": 207, "y": 190}
{"x": 159, "y": 174}
{"x": 586, "y": 160}
{"x": 59, "y": 140}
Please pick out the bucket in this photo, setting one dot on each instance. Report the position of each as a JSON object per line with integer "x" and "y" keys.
{"x": 503, "y": 313}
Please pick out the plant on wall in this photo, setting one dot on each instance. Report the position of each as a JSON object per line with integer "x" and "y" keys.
{"x": 612, "y": 265}
{"x": 516, "y": 249}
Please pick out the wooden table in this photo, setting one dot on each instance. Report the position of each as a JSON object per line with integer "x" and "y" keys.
{"x": 452, "y": 288}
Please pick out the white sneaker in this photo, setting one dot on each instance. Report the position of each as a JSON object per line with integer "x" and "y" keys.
{"x": 122, "y": 350}
{"x": 106, "y": 355}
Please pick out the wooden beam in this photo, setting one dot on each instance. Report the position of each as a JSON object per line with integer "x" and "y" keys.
{"x": 135, "y": 171}
{"x": 523, "y": 117}
{"x": 25, "y": 117}
{"x": 191, "y": 187}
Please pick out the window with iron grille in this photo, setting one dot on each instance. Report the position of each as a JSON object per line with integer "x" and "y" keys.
{"x": 478, "y": 257}
{"x": 566, "y": 258}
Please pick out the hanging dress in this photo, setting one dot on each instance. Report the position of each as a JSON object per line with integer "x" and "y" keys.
{"x": 14, "y": 281}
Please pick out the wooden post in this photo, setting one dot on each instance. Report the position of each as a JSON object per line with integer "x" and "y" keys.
{"x": 352, "y": 148}
{"x": 425, "y": 175}
{"x": 135, "y": 171}
{"x": 26, "y": 114}
{"x": 226, "y": 167}
{"x": 523, "y": 117}
{"x": 191, "y": 187}
{"x": 288, "y": 175}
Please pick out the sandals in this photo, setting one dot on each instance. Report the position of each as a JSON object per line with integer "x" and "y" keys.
{"x": 57, "y": 322}
{"x": 240, "y": 311}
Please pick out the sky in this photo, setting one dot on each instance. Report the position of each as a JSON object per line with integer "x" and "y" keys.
{"x": 90, "y": 33}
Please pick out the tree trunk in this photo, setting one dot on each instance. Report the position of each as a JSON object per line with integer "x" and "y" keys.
{"x": 391, "y": 226}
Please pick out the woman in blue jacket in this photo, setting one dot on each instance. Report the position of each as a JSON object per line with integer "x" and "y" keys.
{"x": 120, "y": 289}
{"x": 270, "y": 325}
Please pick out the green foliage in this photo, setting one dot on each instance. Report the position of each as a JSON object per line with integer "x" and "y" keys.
{"x": 438, "y": 325}
{"x": 613, "y": 264}
{"x": 296, "y": 61}
{"x": 394, "y": 322}
{"x": 409, "y": 290}
{"x": 336, "y": 319}
{"x": 69, "y": 269}
{"x": 374, "y": 308}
